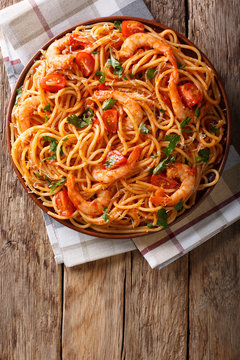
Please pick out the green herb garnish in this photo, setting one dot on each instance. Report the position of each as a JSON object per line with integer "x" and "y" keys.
{"x": 197, "y": 113}
{"x": 150, "y": 225}
{"x": 117, "y": 24}
{"x": 154, "y": 156}
{"x": 132, "y": 76}
{"x": 179, "y": 205}
{"x": 65, "y": 139}
{"x": 162, "y": 218}
{"x": 203, "y": 155}
{"x": 47, "y": 108}
{"x": 19, "y": 93}
{"x": 180, "y": 66}
{"x": 173, "y": 141}
{"x": 143, "y": 129}
{"x": 38, "y": 175}
{"x": 186, "y": 161}
{"x": 162, "y": 111}
{"x": 213, "y": 129}
{"x": 81, "y": 122}
{"x": 185, "y": 122}
{"x": 108, "y": 104}
{"x": 151, "y": 74}
{"x": 46, "y": 119}
{"x": 110, "y": 162}
{"x": 118, "y": 69}
{"x": 163, "y": 165}
{"x": 95, "y": 52}
{"x": 56, "y": 184}
{"x": 105, "y": 215}
{"x": 102, "y": 76}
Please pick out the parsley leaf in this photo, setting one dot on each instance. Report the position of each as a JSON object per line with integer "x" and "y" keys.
{"x": 47, "y": 108}
{"x": 110, "y": 162}
{"x": 162, "y": 218}
{"x": 56, "y": 184}
{"x": 151, "y": 74}
{"x": 102, "y": 76}
{"x": 19, "y": 93}
{"x": 150, "y": 171}
{"x": 65, "y": 139}
{"x": 197, "y": 113}
{"x": 150, "y": 225}
{"x": 38, "y": 175}
{"x": 108, "y": 104}
{"x": 162, "y": 111}
{"x": 81, "y": 122}
{"x": 173, "y": 141}
{"x": 143, "y": 129}
{"x": 105, "y": 215}
{"x": 154, "y": 156}
{"x": 115, "y": 64}
{"x": 53, "y": 142}
{"x": 203, "y": 155}
{"x": 180, "y": 66}
{"x": 95, "y": 52}
{"x": 117, "y": 24}
{"x": 163, "y": 165}
{"x": 46, "y": 119}
{"x": 186, "y": 161}
{"x": 213, "y": 129}
{"x": 132, "y": 76}
{"x": 179, "y": 205}
{"x": 185, "y": 122}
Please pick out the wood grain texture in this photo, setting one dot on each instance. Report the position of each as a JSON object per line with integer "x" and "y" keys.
{"x": 214, "y": 267}
{"x": 30, "y": 287}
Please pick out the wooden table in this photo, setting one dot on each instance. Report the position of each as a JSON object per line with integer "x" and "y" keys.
{"x": 118, "y": 308}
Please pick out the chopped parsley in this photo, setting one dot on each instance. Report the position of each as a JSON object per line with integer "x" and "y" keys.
{"x": 162, "y": 218}
{"x": 95, "y": 52}
{"x": 56, "y": 184}
{"x": 53, "y": 147}
{"x": 162, "y": 111}
{"x": 102, "y": 76}
{"x": 154, "y": 156}
{"x": 82, "y": 122}
{"x": 47, "y": 108}
{"x": 186, "y": 161}
{"x": 117, "y": 24}
{"x": 38, "y": 175}
{"x": 179, "y": 205}
{"x": 110, "y": 162}
{"x": 105, "y": 215}
{"x": 46, "y": 119}
{"x": 173, "y": 141}
{"x": 180, "y": 66}
{"x": 150, "y": 225}
{"x": 108, "y": 104}
{"x": 203, "y": 155}
{"x": 132, "y": 76}
{"x": 118, "y": 69}
{"x": 151, "y": 74}
{"x": 197, "y": 113}
{"x": 19, "y": 93}
{"x": 65, "y": 139}
{"x": 163, "y": 165}
{"x": 185, "y": 122}
{"x": 143, "y": 129}
{"x": 213, "y": 129}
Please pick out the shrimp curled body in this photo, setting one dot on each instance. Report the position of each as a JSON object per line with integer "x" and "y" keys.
{"x": 92, "y": 208}
{"x": 108, "y": 176}
{"x": 125, "y": 100}
{"x": 187, "y": 177}
{"x": 54, "y": 54}
{"x": 25, "y": 112}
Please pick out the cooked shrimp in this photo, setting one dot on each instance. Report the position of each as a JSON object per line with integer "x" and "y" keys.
{"x": 25, "y": 112}
{"x": 125, "y": 100}
{"x": 54, "y": 54}
{"x": 180, "y": 110}
{"x": 107, "y": 175}
{"x": 92, "y": 208}
{"x": 140, "y": 40}
{"x": 187, "y": 177}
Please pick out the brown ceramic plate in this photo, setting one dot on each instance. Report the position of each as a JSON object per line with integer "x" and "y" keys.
{"x": 158, "y": 27}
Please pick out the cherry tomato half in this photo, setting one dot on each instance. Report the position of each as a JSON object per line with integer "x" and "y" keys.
{"x": 110, "y": 119}
{"x": 63, "y": 203}
{"x": 102, "y": 86}
{"x": 162, "y": 180}
{"x": 53, "y": 82}
{"x": 190, "y": 94}
{"x": 130, "y": 27}
{"x": 85, "y": 62}
{"x": 115, "y": 159}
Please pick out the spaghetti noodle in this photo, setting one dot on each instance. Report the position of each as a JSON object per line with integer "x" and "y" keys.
{"x": 118, "y": 127}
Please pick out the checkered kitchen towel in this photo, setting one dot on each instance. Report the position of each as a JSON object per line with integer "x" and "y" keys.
{"x": 24, "y": 28}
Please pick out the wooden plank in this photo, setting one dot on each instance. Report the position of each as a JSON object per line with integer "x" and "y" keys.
{"x": 214, "y": 267}
{"x": 30, "y": 288}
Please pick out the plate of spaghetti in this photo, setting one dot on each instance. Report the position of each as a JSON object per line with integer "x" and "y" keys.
{"x": 118, "y": 127}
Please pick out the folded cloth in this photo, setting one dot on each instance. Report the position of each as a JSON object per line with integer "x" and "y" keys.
{"x": 24, "y": 28}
